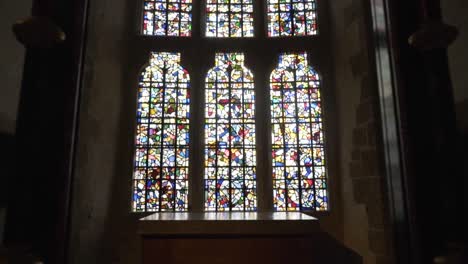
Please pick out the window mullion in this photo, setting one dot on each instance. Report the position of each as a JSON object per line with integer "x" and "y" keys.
{"x": 263, "y": 131}
{"x": 194, "y": 63}
{"x": 197, "y": 184}
{"x": 259, "y": 19}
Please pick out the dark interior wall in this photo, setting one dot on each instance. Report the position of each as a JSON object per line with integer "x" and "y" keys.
{"x": 6, "y": 172}
{"x": 11, "y": 69}
{"x": 365, "y": 212}
{"x": 346, "y": 41}
{"x": 102, "y": 229}
{"x": 454, "y": 13}
{"x": 11, "y": 62}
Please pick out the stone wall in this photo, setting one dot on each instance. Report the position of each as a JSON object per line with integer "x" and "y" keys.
{"x": 366, "y": 228}
{"x": 102, "y": 228}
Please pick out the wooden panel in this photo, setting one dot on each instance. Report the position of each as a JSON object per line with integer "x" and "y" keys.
{"x": 227, "y": 250}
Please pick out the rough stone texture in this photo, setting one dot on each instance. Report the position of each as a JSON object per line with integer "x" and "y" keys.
{"x": 102, "y": 230}
{"x": 366, "y": 231}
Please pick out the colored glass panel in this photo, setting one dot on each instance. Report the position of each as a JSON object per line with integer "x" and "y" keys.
{"x": 162, "y": 136}
{"x": 167, "y": 18}
{"x": 230, "y": 156}
{"x": 229, "y": 18}
{"x": 292, "y": 18}
{"x": 299, "y": 178}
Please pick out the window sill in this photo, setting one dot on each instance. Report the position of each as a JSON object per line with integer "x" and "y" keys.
{"x": 234, "y": 223}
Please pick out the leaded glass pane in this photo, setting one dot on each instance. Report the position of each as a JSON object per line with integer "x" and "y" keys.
{"x": 167, "y": 18}
{"x": 292, "y": 18}
{"x": 230, "y": 155}
{"x": 229, "y": 18}
{"x": 162, "y": 139}
{"x": 298, "y": 157}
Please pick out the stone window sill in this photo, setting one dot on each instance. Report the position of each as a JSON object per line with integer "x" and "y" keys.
{"x": 234, "y": 223}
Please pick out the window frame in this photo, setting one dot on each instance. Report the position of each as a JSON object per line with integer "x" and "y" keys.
{"x": 261, "y": 57}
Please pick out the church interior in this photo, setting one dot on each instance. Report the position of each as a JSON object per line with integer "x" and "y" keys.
{"x": 391, "y": 77}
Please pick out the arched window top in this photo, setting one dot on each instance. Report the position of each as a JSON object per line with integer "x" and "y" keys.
{"x": 168, "y": 62}
{"x": 161, "y": 157}
{"x": 230, "y": 145}
{"x": 229, "y": 18}
{"x": 230, "y": 150}
{"x": 229, "y": 67}
{"x": 292, "y": 18}
{"x": 298, "y": 154}
{"x": 293, "y": 62}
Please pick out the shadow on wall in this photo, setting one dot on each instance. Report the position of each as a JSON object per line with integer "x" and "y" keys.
{"x": 462, "y": 117}
{"x": 7, "y": 124}
{"x": 6, "y": 170}
{"x": 462, "y": 145}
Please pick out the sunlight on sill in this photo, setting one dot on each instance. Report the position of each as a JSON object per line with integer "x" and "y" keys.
{"x": 233, "y": 223}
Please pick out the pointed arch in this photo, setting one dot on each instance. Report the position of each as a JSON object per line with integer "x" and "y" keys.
{"x": 298, "y": 155}
{"x": 230, "y": 154}
{"x": 160, "y": 176}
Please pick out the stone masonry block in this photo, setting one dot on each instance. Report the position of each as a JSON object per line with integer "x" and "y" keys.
{"x": 379, "y": 241}
{"x": 368, "y": 89}
{"x": 361, "y": 187}
{"x": 356, "y": 155}
{"x": 359, "y": 137}
{"x": 372, "y": 134}
{"x": 355, "y": 169}
{"x": 367, "y": 190}
{"x": 376, "y": 214}
{"x": 359, "y": 63}
{"x": 352, "y": 12}
{"x": 365, "y": 112}
{"x": 369, "y": 163}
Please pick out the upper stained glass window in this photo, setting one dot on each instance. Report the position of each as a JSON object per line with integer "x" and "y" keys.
{"x": 160, "y": 174}
{"x": 230, "y": 155}
{"x": 299, "y": 179}
{"x": 292, "y": 18}
{"x": 229, "y": 18}
{"x": 167, "y": 18}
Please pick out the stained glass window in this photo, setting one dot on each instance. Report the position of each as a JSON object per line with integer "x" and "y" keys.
{"x": 229, "y": 18}
{"x": 160, "y": 174}
{"x": 292, "y": 18}
{"x": 299, "y": 178}
{"x": 230, "y": 154}
{"x": 167, "y": 17}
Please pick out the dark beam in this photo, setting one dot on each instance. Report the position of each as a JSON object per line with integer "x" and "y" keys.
{"x": 40, "y": 191}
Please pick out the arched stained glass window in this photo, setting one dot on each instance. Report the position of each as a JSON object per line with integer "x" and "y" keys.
{"x": 162, "y": 136}
{"x": 230, "y": 154}
{"x": 229, "y": 18}
{"x": 233, "y": 124}
{"x": 292, "y": 18}
{"x": 299, "y": 179}
{"x": 167, "y": 18}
